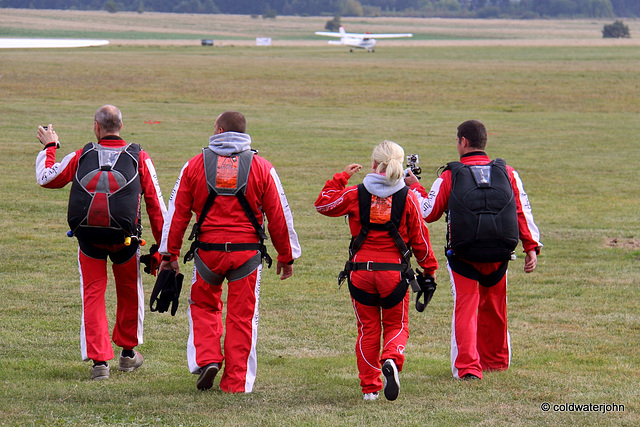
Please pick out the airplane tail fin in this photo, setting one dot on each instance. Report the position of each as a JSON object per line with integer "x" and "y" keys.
{"x": 342, "y": 32}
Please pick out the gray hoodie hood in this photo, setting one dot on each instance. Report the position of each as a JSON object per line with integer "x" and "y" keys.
{"x": 228, "y": 143}
{"x": 378, "y": 185}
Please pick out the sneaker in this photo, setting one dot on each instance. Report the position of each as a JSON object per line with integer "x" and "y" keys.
{"x": 391, "y": 380}
{"x": 207, "y": 375}
{"x": 470, "y": 377}
{"x": 371, "y": 396}
{"x": 100, "y": 371}
{"x": 128, "y": 364}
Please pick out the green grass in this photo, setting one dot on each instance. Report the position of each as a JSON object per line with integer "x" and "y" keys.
{"x": 565, "y": 117}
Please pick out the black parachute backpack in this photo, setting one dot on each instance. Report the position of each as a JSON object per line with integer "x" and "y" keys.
{"x": 482, "y": 216}
{"x": 104, "y": 202}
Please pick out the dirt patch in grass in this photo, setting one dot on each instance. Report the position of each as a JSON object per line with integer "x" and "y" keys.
{"x": 620, "y": 242}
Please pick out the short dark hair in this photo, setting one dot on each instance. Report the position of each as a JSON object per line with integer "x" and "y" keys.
{"x": 109, "y": 118}
{"x": 232, "y": 121}
{"x": 475, "y": 132}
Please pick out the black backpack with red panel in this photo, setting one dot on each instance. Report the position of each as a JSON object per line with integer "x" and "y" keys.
{"x": 104, "y": 202}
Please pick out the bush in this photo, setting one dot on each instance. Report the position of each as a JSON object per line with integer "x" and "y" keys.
{"x": 488, "y": 12}
{"x": 333, "y": 24}
{"x": 270, "y": 14}
{"x": 111, "y": 6}
{"x": 616, "y": 30}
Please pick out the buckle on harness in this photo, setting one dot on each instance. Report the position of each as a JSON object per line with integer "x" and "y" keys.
{"x": 226, "y": 247}
{"x": 369, "y": 265}
{"x": 342, "y": 276}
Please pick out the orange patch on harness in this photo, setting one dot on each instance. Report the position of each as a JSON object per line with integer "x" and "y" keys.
{"x": 380, "y": 212}
{"x": 227, "y": 172}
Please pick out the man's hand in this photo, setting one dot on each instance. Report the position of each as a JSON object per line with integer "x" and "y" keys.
{"x": 433, "y": 276}
{"x": 170, "y": 265}
{"x": 352, "y": 168}
{"x": 410, "y": 179}
{"x": 286, "y": 269}
{"x": 530, "y": 261}
{"x": 47, "y": 136}
{"x": 152, "y": 260}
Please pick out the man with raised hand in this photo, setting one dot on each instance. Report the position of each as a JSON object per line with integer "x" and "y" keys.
{"x": 108, "y": 179}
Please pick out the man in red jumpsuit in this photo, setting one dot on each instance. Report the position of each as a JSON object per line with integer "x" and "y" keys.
{"x": 95, "y": 343}
{"x": 228, "y": 247}
{"x": 480, "y": 340}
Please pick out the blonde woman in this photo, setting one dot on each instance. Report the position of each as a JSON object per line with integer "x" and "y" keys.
{"x": 385, "y": 220}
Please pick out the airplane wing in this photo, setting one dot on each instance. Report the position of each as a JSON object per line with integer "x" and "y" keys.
{"x": 387, "y": 36}
{"x": 13, "y": 43}
{"x": 328, "y": 34}
{"x": 363, "y": 35}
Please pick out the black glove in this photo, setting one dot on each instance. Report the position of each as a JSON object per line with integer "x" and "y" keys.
{"x": 427, "y": 288}
{"x": 166, "y": 292}
{"x": 152, "y": 260}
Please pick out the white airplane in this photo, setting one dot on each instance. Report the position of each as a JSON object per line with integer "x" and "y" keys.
{"x": 359, "y": 40}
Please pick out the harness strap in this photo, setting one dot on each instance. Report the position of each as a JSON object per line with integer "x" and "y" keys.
{"x": 251, "y": 215}
{"x": 374, "y": 300}
{"x": 229, "y": 247}
{"x": 216, "y": 279}
{"x": 375, "y": 266}
{"x": 234, "y": 247}
{"x": 469, "y": 271}
{"x": 195, "y": 231}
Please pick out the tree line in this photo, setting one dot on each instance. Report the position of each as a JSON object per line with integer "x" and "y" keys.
{"x": 525, "y": 9}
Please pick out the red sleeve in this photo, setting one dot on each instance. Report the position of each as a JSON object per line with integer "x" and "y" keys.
{"x": 153, "y": 200}
{"x": 179, "y": 212}
{"x": 50, "y": 174}
{"x": 435, "y": 202}
{"x": 336, "y": 199}
{"x": 279, "y": 216}
{"x": 529, "y": 232}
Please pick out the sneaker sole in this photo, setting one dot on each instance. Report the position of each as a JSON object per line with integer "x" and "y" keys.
{"x": 129, "y": 369}
{"x": 205, "y": 381}
{"x": 102, "y": 377}
{"x": 391, "y": 383}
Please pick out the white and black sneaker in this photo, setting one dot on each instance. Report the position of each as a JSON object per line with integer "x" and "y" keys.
{"x": 391, "y": 380}
{"x": 207, "y": 375}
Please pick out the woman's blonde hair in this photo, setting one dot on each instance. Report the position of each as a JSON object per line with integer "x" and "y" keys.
{"x": 389, "y": 156}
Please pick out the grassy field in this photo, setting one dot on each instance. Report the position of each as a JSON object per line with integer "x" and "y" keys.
{"x": 565, "y": 116}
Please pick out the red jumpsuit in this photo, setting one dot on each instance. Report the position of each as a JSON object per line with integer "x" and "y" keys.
{"x": 392, "y": 324}
{"x": 227, "y": 222}
{"x": 95, "y": 343}
{"x": 480, "y": 340}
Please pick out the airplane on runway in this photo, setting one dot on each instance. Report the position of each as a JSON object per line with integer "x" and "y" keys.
{"x": 359, "y": 40}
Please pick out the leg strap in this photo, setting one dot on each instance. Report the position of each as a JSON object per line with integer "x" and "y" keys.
{"x": 236, "y": 274}
{"x": 391, "y": 300}
{"x": 469, "y": 271}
